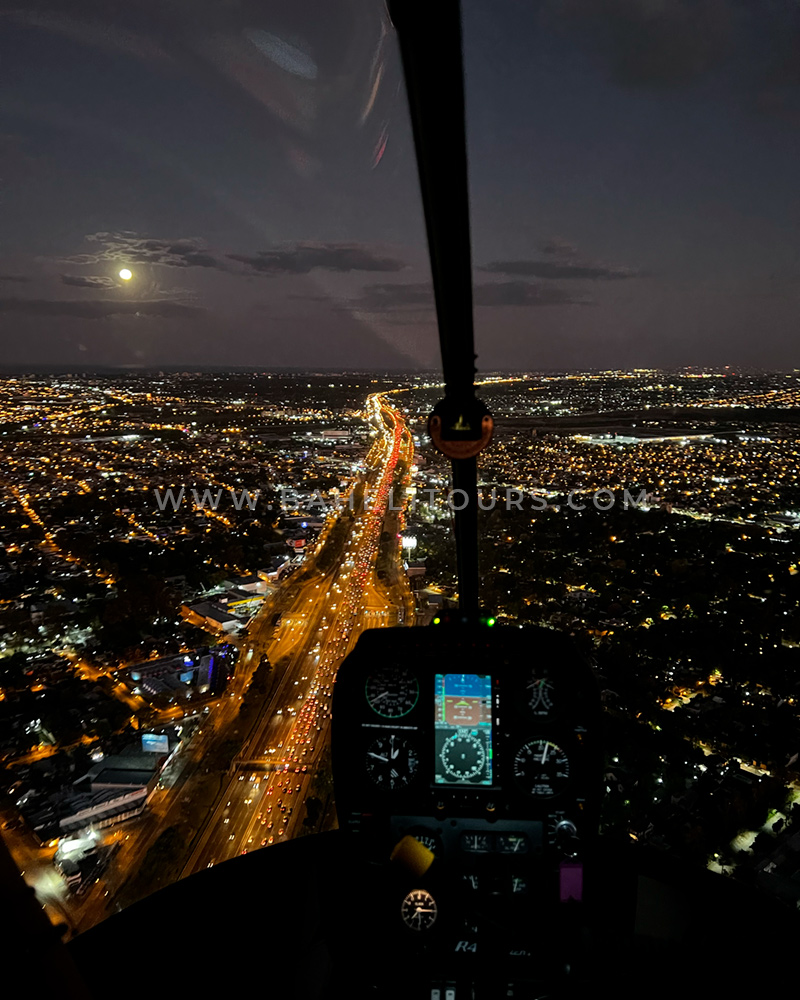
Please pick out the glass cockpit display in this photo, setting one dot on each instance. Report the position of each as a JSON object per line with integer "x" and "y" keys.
{"x": 463, "y": 729}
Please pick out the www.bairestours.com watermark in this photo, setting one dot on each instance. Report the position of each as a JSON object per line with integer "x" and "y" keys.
{"x": 290, "y": 501}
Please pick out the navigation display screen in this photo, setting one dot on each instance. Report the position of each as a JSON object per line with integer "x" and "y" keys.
{"x": 463, "y": 729}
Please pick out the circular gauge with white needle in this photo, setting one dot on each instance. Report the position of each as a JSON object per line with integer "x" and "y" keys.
{"x": 419, "y": 910}
{"x": 392, "y": 692}
{"x": 541, "y": 768}
{"x": 391, "y": 762}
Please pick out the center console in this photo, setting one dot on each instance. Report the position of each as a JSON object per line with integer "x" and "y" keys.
{"x": 468, "y": 772}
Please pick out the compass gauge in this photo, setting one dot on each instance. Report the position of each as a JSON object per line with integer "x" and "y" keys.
{"x": 463, "y": 756}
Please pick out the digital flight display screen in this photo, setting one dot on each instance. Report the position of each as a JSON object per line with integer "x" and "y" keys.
{"x": 463, "y": 729}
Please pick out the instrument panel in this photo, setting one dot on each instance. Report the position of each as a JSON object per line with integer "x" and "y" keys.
{"x": 483, "y": 746}
{"x": 455, "y": 723}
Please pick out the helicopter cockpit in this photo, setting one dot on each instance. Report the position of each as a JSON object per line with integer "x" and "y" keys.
{"x": 468, "y": 762}
{"x": 468, "y": 768}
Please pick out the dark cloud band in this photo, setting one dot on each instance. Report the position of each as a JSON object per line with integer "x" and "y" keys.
{"x": 93, "y": 309}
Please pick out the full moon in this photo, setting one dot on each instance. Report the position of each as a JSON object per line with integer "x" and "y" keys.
{"x": 125, "y": 274}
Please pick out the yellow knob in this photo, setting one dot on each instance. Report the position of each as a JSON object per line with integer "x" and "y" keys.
{"x": 412, "y": 855}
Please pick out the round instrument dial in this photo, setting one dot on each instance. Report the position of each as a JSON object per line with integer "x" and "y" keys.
{"x": 463, "y": 756}
{"x": 419, "y": 910}
{"x": 392, "y": 692}
{"x": 391, "y": 762}
{"x": 541, "y": 768}
{"x": 477, "y": 843}
{"x": 428, "y": 839}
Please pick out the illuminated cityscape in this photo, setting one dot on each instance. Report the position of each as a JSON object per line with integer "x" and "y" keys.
{"x": 166, "y": 666}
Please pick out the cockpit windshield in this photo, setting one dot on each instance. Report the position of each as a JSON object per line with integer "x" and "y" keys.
{"x": 219, "y": 357}
{"x": 208, "y": 186}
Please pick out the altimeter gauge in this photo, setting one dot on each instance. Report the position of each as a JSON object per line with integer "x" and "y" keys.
{"x": 541, "y": 768}
{"x": 391, "y": 762}
{"x": 419, "y": 910}
{"x": 392, "y": 692}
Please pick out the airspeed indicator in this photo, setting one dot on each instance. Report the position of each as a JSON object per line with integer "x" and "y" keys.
{"x": 392, "y": 692}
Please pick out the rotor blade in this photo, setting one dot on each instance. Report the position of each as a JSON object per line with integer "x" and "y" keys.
{"x": 430, "y": 44}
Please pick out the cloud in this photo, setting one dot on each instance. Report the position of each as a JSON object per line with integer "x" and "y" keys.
{"x": 19, "y": 279}
{"x": 417, "y": 298}
{"x": 88, "y": 281}
{"x": 561, "y": 270}
{"x": 652, "y": 43}
{"x": 131, "y": 248}
{"x": 559, "y": 248}
{"x": 126, "y": 248}
{"x": 523, "y": 293}
{"x": 381, "y": 298}
{"x": 94, "y": 309}
{"x": 300, "y": 258}
{"x": 565, "y": 263}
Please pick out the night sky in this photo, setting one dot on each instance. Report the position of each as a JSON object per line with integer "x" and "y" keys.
{"x": 634, "y": 172}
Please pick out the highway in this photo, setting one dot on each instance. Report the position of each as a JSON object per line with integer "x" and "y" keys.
{"x": 263, "y": 801}
{"x": 324, "y": 607}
